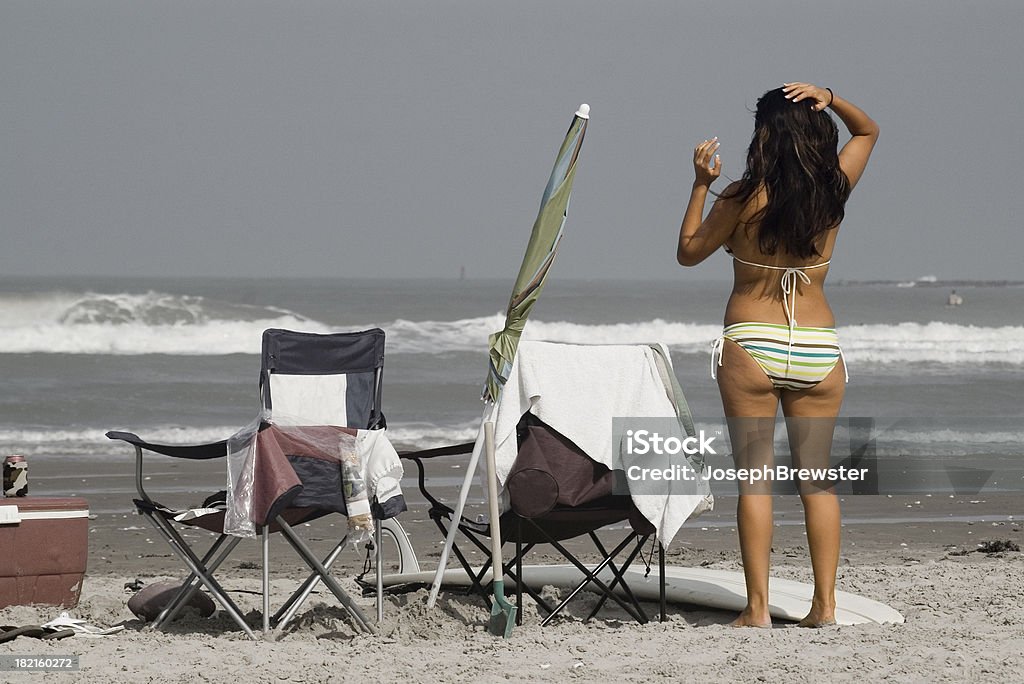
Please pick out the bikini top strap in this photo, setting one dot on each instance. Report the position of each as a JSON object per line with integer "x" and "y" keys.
{"x": 779, "y": 268}
{"x": 790, "y": 276}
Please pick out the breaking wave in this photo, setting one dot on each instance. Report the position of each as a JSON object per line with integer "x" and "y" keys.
{"x": 157, "y": 323}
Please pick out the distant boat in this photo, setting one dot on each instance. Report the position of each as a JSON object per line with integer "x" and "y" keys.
{"x": 462, "y": 272}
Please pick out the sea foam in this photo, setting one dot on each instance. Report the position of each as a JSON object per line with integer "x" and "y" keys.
{"x": 156, "y": 323}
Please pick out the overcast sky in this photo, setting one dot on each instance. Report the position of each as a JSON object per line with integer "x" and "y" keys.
{"x": 386, "y": 138}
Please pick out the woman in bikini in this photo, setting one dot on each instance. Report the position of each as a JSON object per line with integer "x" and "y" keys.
{"x": 779, "y": 222}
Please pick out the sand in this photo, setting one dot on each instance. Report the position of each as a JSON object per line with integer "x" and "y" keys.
{"x": 964, "y": 613}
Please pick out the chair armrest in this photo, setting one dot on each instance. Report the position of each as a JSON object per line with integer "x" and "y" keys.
{"x": 194, "y": 452}
{"x": 417, "y": 458}
{"x": 439, "y": 451}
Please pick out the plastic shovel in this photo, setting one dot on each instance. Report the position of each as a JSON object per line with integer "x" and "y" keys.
{"x": 503, "y": 613}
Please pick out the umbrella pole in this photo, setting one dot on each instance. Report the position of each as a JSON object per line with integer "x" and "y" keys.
{"x": 453, "y": 529}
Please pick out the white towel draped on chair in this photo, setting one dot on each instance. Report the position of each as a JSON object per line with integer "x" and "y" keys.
{"x": 578, "y": 390}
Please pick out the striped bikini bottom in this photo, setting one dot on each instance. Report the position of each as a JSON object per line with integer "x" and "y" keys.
{"x": 793, "y": 358}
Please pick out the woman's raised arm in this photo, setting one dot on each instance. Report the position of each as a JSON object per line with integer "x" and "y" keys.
{"x": 699, "y": 237}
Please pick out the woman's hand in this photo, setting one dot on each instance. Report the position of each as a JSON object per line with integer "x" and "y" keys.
{"x": 802, "y": 91}
{"x": 700, "y": 237}
{"x": 705, "y": 172}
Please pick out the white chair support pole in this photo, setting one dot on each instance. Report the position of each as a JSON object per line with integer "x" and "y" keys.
{"x": 453, "y": 529}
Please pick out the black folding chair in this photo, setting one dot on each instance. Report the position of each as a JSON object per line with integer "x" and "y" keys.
{"x": 556, "y": 493}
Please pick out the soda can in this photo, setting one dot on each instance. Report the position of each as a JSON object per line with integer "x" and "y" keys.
{"x": 15, "y": 476}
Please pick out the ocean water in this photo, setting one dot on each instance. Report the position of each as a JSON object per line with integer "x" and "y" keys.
{"x": 177, "y": 360}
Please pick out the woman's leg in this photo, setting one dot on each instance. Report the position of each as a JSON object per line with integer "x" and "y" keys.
{"x": 810, "y": 424}
{"x": 751, "y": 402}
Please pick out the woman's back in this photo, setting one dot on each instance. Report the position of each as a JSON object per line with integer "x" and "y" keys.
{"x": 759, "y": 292}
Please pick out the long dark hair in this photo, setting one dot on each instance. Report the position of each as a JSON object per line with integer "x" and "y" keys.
{"x": 793, "y": 156}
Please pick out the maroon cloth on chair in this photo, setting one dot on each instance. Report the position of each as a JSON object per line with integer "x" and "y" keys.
{"x": 555, "y": 484}
{"x": 550, "y": 470}
{"x": 298, "y": 467}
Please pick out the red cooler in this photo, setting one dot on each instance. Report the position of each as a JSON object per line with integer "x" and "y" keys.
{"x": 44, "y": 544}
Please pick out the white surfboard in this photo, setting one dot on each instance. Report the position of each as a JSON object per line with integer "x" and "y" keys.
{"x": 719, "y": 589}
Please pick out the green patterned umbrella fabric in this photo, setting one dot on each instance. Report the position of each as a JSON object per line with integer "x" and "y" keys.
{"x": 540, "y": 253}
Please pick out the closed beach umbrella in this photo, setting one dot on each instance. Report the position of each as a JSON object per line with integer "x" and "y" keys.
{"x": 540, "y": 253}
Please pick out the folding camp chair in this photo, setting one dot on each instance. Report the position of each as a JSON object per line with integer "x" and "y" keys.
{"x": 555, "y": 489}
{"x": 556, "y": 493}
{"x": 329, "y": 380}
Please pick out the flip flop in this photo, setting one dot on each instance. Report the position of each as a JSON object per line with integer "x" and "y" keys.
{"x": 9, "y": 633}
{"x": 65, "y": 622}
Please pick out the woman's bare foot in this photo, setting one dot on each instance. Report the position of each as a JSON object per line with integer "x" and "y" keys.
{"x": 750, "y": 618}
{"x": 819, "y": 616}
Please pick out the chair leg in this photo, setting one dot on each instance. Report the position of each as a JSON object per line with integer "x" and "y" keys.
{"x": 191, "y": 585}
{"x": 189, "y": 558}
{"x": 661, "y": 579}
{"x": 474, "y": 576}
{"x": 514, "y": 569}
{"x": 265, "y": 533}
{"x": 519, "y": 581}
{"x": 300, "y": 547}
{"x": 618, "y": 575}
{"x": 591, "y": 576}
{"x": 188, "y": 584}
{"x": 378, "y": 542}
{"x": 615, "y": 578}
{"x": 286, "y": 612}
